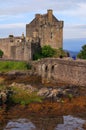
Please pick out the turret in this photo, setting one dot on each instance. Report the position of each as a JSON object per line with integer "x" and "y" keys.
{"x": 50, "y": 14}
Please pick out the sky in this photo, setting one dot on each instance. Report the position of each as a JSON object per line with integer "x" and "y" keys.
{"x": 15, "y": 14}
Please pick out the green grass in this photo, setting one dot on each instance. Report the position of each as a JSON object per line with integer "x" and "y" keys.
{"x": 24, "y": 97}
{"x": 2, "y": 87}
{"x": 13, "y": 65}
{"x": 21, "y": 96}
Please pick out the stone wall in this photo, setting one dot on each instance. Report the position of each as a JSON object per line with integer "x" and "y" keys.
{"x": 18, "y": 48}
{"x": 4, "y": 46}
{"x": 62, "y": 70}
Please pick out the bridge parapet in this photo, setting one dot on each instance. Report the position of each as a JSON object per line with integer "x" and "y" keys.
{"x": 62, "y": 70}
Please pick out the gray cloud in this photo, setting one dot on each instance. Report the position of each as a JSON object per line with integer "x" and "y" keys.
{"x": 75, "y": 31}
{"x": 21, "y": 6}
{"x": 71, "y": 11}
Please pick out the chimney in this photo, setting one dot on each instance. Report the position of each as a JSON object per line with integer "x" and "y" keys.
{"x": 50, "y": 13}
{"x": 37, "y": 16}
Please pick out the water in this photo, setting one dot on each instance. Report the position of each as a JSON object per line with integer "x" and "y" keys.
{"x": 71, "y": 123}
{"x": 20, "y": 124}
{"x": 59, "y": 123}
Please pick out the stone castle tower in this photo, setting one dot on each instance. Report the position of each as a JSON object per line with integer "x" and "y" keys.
{"x": 42, "y": 30}
{"x": 47, "y": 28}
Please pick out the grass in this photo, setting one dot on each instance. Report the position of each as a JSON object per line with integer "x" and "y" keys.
{"x": 24, "y": 97}
{"x": 2, "y": 87}
{"x": 13, "y": 65}
{"x": 21, "y": 96}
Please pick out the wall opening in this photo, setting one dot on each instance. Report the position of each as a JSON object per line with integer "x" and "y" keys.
{"x": 46, "y": 68}
{"x": 52, "y": 69}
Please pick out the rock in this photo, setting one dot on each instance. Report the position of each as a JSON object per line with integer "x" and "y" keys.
{"x": 49, "y": 92}
{"x": 84, "y": 126}
{"x": 43, "y": 92}
{"x": 16, "y": 72}
{"x": 53, "y": 93}
{"x": 3, "y": 96}
{"x": 27, "y": 87}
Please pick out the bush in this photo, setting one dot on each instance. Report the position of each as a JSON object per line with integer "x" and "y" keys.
{"x": 60, "y": 53}
{"x": 1, "y": 53}
{"x": 82, "y": 54}
{"x": 23, "y": 97}
{"x": 48, "y": 51}
{"x": 37, "y": 56}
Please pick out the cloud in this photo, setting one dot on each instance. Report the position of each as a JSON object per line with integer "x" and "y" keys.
{"x": 15, "y": 14}
{"x": 21, "y": 6}
{"x": 14, "y": 29}
{"x": 17, "y": 25}
{"x": 75, "y": 31}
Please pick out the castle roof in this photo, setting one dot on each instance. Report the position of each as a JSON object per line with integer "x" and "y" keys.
{"x": 44, "y": 18}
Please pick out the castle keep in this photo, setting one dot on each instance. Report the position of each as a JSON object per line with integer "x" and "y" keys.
{"x": 47, "y": 28}
{"x": 42, "y": 30}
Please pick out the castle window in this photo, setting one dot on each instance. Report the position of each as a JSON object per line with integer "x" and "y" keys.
{"x": 52, "y": 69}
{"x": 46, "y": 68}
{"x": 51, "y": 35}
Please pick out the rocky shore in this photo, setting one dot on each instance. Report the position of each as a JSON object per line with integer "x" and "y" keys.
{"x": 32, "y": 83}
{"x": 59, "y": 99}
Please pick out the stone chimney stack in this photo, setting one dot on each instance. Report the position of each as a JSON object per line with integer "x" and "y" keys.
{"x": 37, "y": 16}
{"x": 50, "y": 13}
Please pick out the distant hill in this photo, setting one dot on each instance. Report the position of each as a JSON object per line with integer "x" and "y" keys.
{"x": 73, "y": 53}
{"x": 74, "y": 45}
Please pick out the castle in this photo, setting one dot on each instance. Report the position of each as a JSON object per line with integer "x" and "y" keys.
{"x": 42, "y": 30}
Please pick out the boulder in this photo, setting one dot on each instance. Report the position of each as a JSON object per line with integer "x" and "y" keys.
{"x": 53, "y": 93}
{"x": 43, "y": 92}
{"x": 27, "y": 87}
{"x": 84, "y": 126}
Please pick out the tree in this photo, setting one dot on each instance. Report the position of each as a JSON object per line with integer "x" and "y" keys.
{"x": 82, "y": 54}
{"x": 48, "y": 51}
{"x": 1, "y": 53}
{"x": 61, "y": 53}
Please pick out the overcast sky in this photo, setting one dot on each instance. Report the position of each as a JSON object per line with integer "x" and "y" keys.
{"x": 14, "y": 14}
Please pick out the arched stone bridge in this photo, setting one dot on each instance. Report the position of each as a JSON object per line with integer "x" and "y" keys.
{"x": 61, "y": 70}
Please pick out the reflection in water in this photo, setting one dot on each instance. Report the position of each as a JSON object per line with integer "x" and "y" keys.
{"x": 20, "y": 124}
{"x": 69, "y": 123}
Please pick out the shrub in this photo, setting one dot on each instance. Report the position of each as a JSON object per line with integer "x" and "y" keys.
{"x": 60, "y": 53}
{"x": 48, "y": 51}
{"x": 24, "y": 97}
{"x": 1, "y": 53}
{"x": 82, "y": 54}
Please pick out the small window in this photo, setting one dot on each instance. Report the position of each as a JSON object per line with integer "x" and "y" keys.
{"x": 51, "y": 35}
{"x": 46, "y": 68}
{"x": 52, "y": 68}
